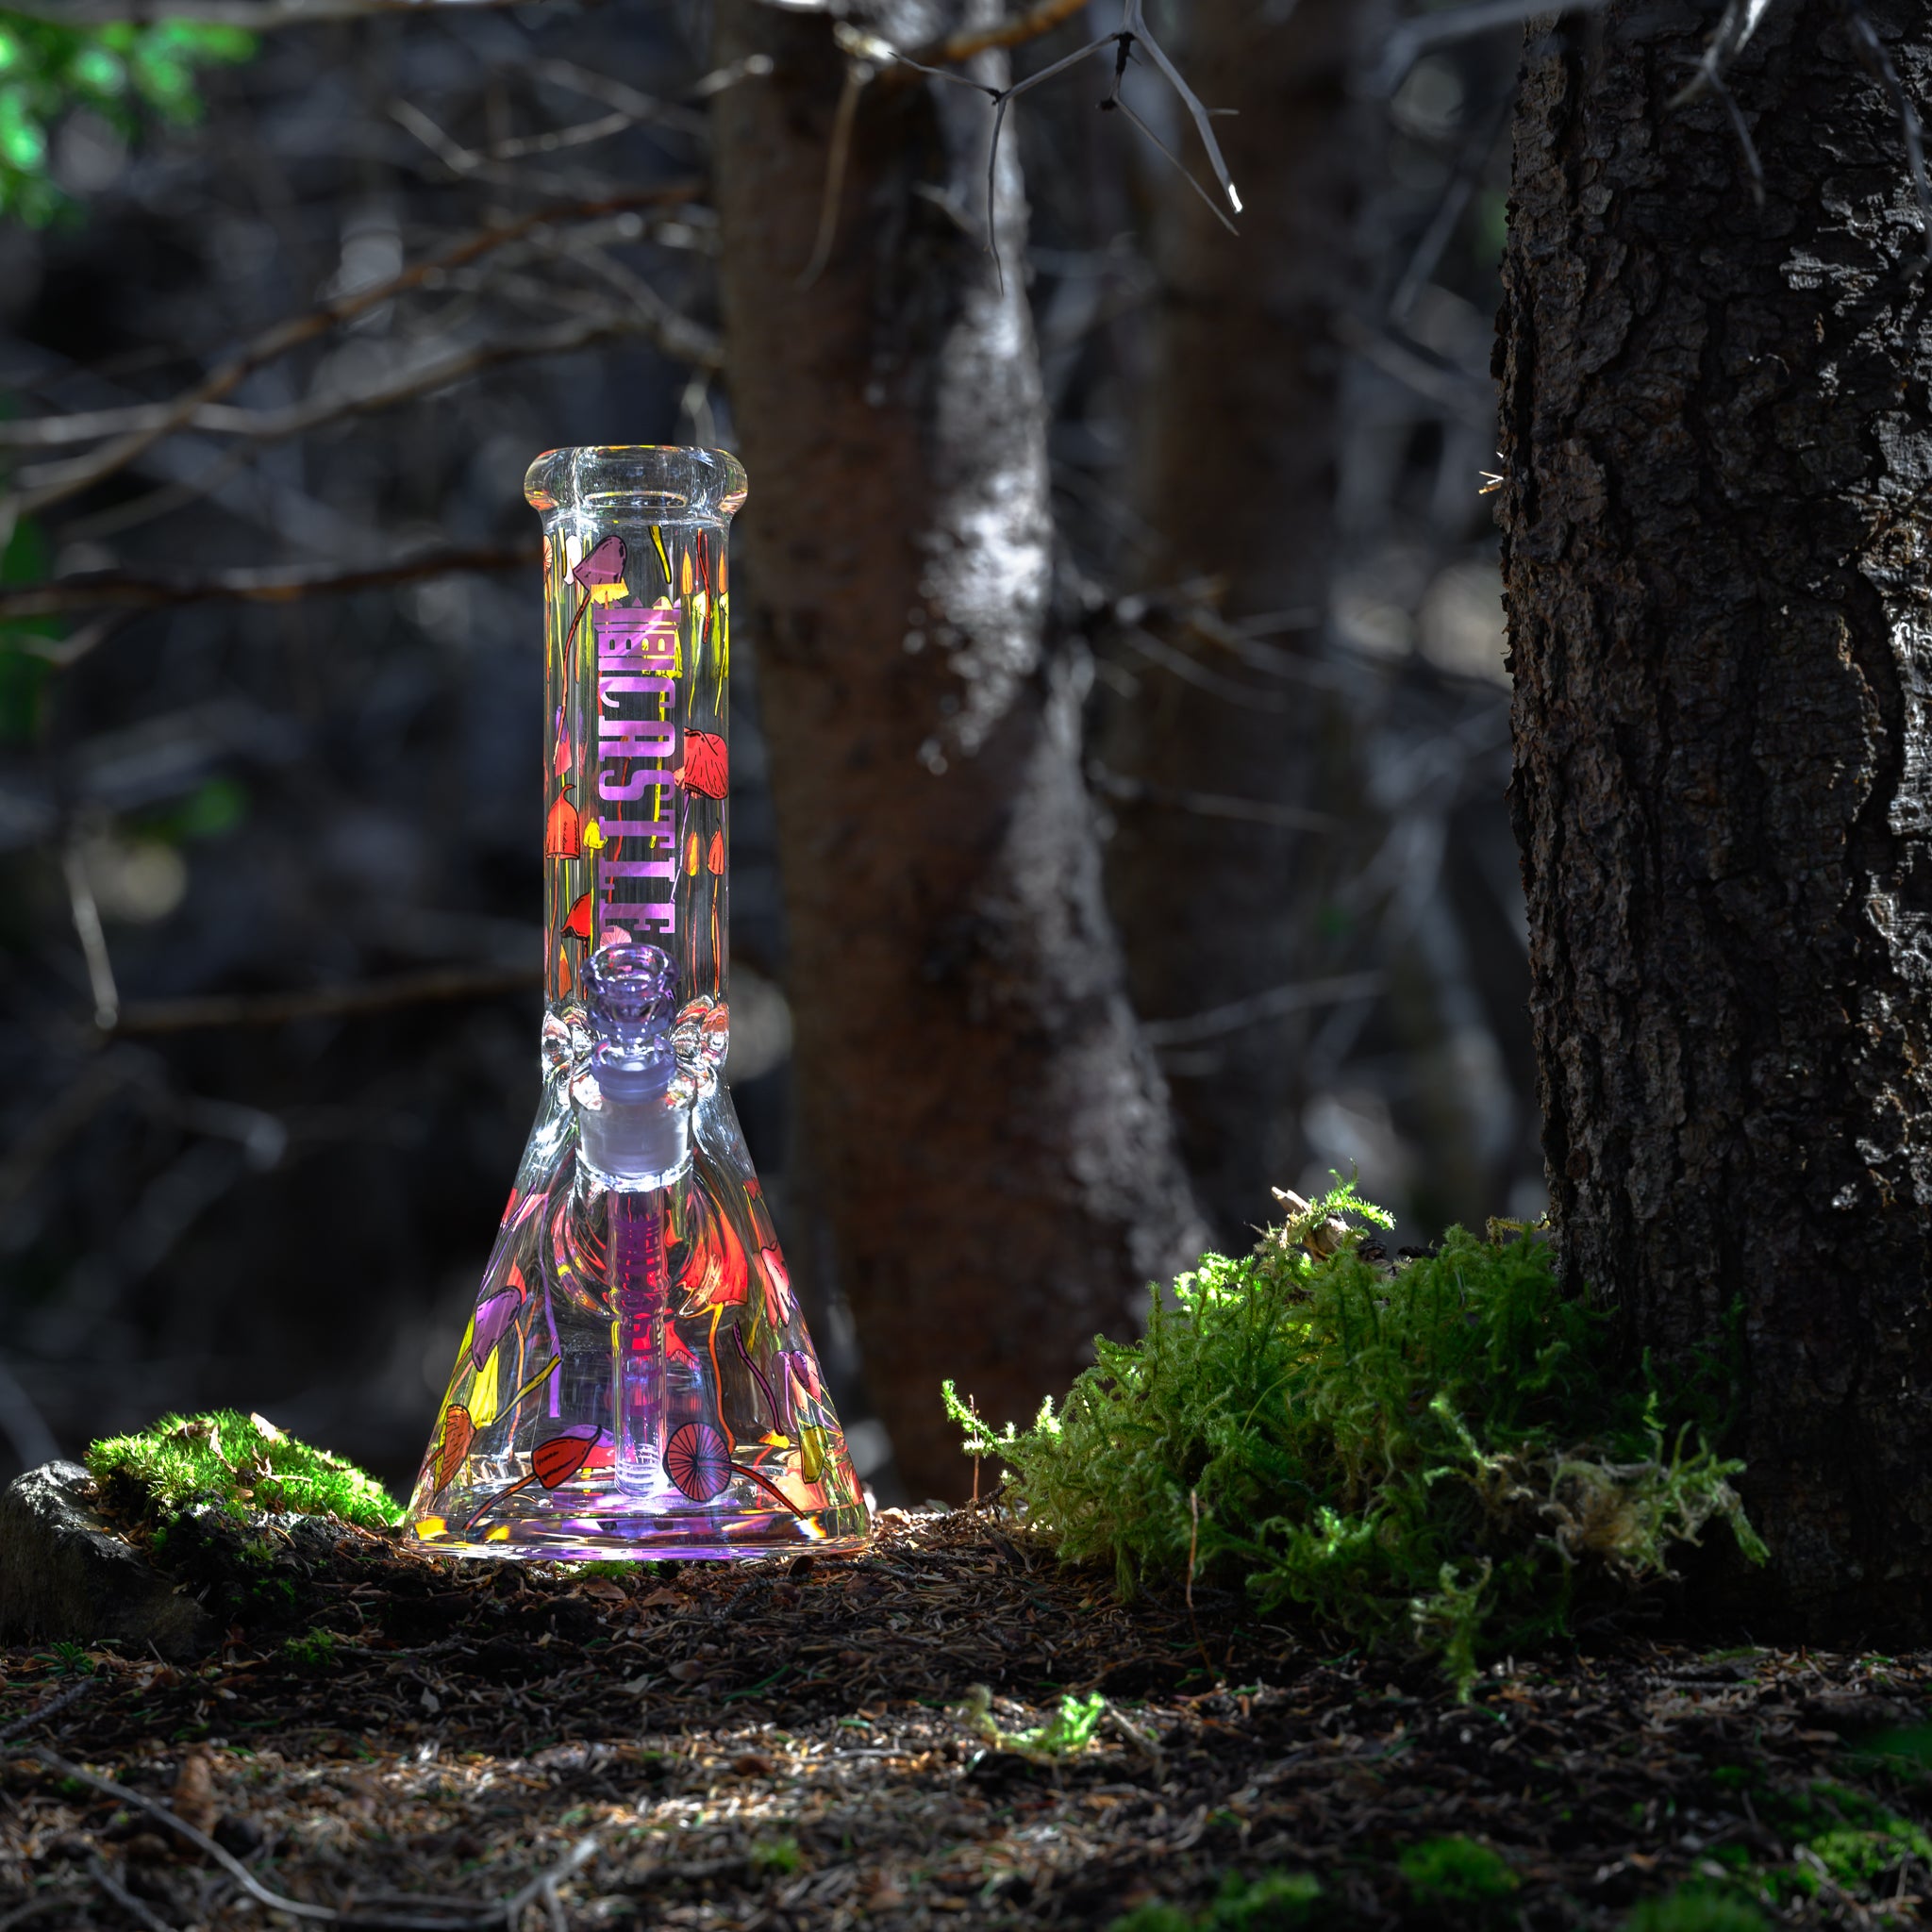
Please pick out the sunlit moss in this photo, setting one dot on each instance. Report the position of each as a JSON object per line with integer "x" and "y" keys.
{"x": 1438, "y": 1457}
{"x": 240, "y": 1463}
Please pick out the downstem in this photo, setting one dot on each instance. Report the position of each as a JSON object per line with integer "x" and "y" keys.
{"x": 640, "y": 1282}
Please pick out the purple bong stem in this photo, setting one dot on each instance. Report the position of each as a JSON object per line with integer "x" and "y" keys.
{"x": 634, "y": 1142}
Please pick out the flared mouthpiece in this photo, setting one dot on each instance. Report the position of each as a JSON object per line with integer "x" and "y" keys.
{"x": 636, "y": 1131}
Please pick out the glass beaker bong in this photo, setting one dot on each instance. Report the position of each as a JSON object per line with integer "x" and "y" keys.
{"x": 636, "y": 1380}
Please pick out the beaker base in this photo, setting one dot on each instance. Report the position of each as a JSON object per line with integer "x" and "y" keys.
{"x": 608, "y": 1525}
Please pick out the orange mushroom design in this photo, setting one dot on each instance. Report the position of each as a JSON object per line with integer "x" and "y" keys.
{"x": 562, "y": 836}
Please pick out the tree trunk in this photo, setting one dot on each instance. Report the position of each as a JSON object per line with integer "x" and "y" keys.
{"x": 990, "y": 1134}
{"x": 1717, "y": 432}
{"x": 1236, "y": 457}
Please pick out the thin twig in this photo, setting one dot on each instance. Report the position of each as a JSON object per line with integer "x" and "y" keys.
{"x": 467, "y": 164}
{"x": 1210, "y": 804}
{"x": 1206, "y": 200}
{"x": 124, "y": 1795}
{"x": 135, "y": 1907}
{"x": 1193, "y": 1548}
{"x": 1204, "y": 125}
{"x": 1038, "y": 19}
{"x": 53, "y": 1707}
{"x": 1740, "y": 21}
{"x": 643, "y": 106}
{"x": 857, "y": 73}
{"x": 1478, "y": 142}
{"x": 94, "y": 941}
{"x": 1256, "y": 1008}
{"x": 1746, "y": 145}
{"x": 675, "y": 334}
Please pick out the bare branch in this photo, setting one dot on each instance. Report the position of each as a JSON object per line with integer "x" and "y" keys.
{"x": 671, "y": 331}
{"x": 94, "y": 941}
{"x": 1038, "y": 19}
{"x": 1207, "y": 201}
{"x": 1041, "y": 19}
{"x": 1478, "y": 142}
{"x": 131, "y": 590}
{"x": 1745, "y": 144}
{"x": 677, "y": 337}
{"x": 468, "y": 165}
{"x": 1740, "y": 20}
{"x": 857, "y": 73}
{"x": 52, "y": 1708}
{"x": 1210, "y": 804}
{"x": 1237, "y": 1016}
{"x": 1202, "y": 127}
{"x": 53, "y": 483}
{"x": 753, "y": 66}
{"x": 142, "y": 1914}
{"x": 645, "y": 109}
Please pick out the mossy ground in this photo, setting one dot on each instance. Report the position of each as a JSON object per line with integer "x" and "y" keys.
{"x": 241, "y": 1464}
{"x": 1444, "y": 1455}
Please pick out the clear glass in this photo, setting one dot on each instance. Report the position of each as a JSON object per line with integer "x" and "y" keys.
{"x": 636, "y": 1380}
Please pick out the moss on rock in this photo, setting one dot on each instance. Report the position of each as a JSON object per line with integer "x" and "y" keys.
{"x": 242, "y": 1463}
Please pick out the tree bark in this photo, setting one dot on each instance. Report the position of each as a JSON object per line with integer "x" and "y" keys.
{"x": 1236, "y": 461}
{"x": 989, "y": 1131}
{"x": 1717, "y": 436}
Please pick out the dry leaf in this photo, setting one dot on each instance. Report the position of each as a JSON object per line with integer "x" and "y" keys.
{"x": 194, "y": 1802}
{"x": 605, "y": 1591}
{"x": 661, "y": 1600}
{"x": 753, "y": 1764}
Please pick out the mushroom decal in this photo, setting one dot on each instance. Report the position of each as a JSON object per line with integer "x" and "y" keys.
{"x": 602, "y": 569}
{"x": 562, "y": 837}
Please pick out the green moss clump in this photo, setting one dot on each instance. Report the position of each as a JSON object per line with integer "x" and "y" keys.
{"x": 1438, "y": 1457}
{"x": 1455, "y": 1870}
{"x": 240, "y": 1463}
{"x": 1696, "y": 1909}
{"x": 316, "y": 1648}
{"x": 1275, "y": 1901}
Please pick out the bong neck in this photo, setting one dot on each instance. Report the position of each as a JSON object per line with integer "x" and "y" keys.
{"x": 636, "y": 765}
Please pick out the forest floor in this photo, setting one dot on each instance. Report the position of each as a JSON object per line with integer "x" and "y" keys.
{"x": 792, "y": 1747}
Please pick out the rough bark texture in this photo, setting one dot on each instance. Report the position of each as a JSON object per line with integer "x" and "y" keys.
{"x": 990, "y": 1132}
{"x": 1718, "y": 443}
{"x": 1236, "y": 480}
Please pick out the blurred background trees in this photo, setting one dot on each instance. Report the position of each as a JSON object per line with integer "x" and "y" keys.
{"x": 1201, "y": 527}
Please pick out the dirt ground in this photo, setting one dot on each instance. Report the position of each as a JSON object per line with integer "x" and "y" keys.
{"x": 414, "y": 1742}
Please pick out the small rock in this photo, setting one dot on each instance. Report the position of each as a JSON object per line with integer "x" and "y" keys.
{"x": 65, "y": 1575}
{"x": 239, "y": 1836}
